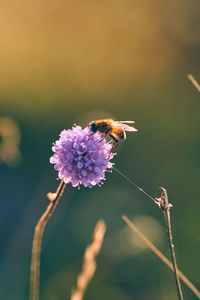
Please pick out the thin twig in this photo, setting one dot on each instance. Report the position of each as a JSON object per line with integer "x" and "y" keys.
{"x": 37, "y": 240}
{"x": 160, "y": 255}
{"x": 165, "y": 207}
{"x": 89, "y": 262}
{"x": 194, "y": 82}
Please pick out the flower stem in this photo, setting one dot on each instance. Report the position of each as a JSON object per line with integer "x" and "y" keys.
{"x": 37, "y": 240}
{"x": 171, "y": 247}
{"x": 194, "y": 82}
{"x": 160, "y": 255}
{"x": 89, "y": 263}
{"x": 165, "y": 206}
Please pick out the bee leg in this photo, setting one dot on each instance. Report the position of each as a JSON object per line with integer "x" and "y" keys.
{"x": 92, "y": 133}
{"x": 115, "y": 141}
{"x": 113, "y": 138}
{"x": 106, "y": 134}
{"x": 115, "y": 145}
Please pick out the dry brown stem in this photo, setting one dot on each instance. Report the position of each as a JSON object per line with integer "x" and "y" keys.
{"x": 194, "y": 82}
{"x": 37, "y": 240}
{"x": 165, "y": 206}
{"x": 89, "y": 262}
{"x": 160, "y": 255}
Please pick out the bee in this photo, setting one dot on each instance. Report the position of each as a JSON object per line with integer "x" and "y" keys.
{"x": 116, "y": 130}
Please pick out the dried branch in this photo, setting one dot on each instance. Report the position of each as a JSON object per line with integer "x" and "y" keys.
{"x": 160, "y": 255}
{"x": 165, "y": 206}
{"x": 37, "y": 240}
{"x": 194, "y": 82}
{"x": 89, "y": 262}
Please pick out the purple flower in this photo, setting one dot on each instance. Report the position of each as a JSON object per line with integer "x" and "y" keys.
{"x": 81, "y": 158}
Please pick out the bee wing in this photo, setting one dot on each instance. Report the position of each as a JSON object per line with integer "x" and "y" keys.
{"x": 128, "y": 128}
{"x": 116, "y": 124}
{"x": 128, "y": 122}
{"x": 119, "y": 124}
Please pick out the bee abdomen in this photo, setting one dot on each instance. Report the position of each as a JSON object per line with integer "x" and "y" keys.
{"x": 122, "y": 135}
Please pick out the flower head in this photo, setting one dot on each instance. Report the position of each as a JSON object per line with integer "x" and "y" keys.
{"x": 81, "y": 157}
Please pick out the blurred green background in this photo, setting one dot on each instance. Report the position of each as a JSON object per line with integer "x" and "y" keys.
{"x": 66, "y": 62}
